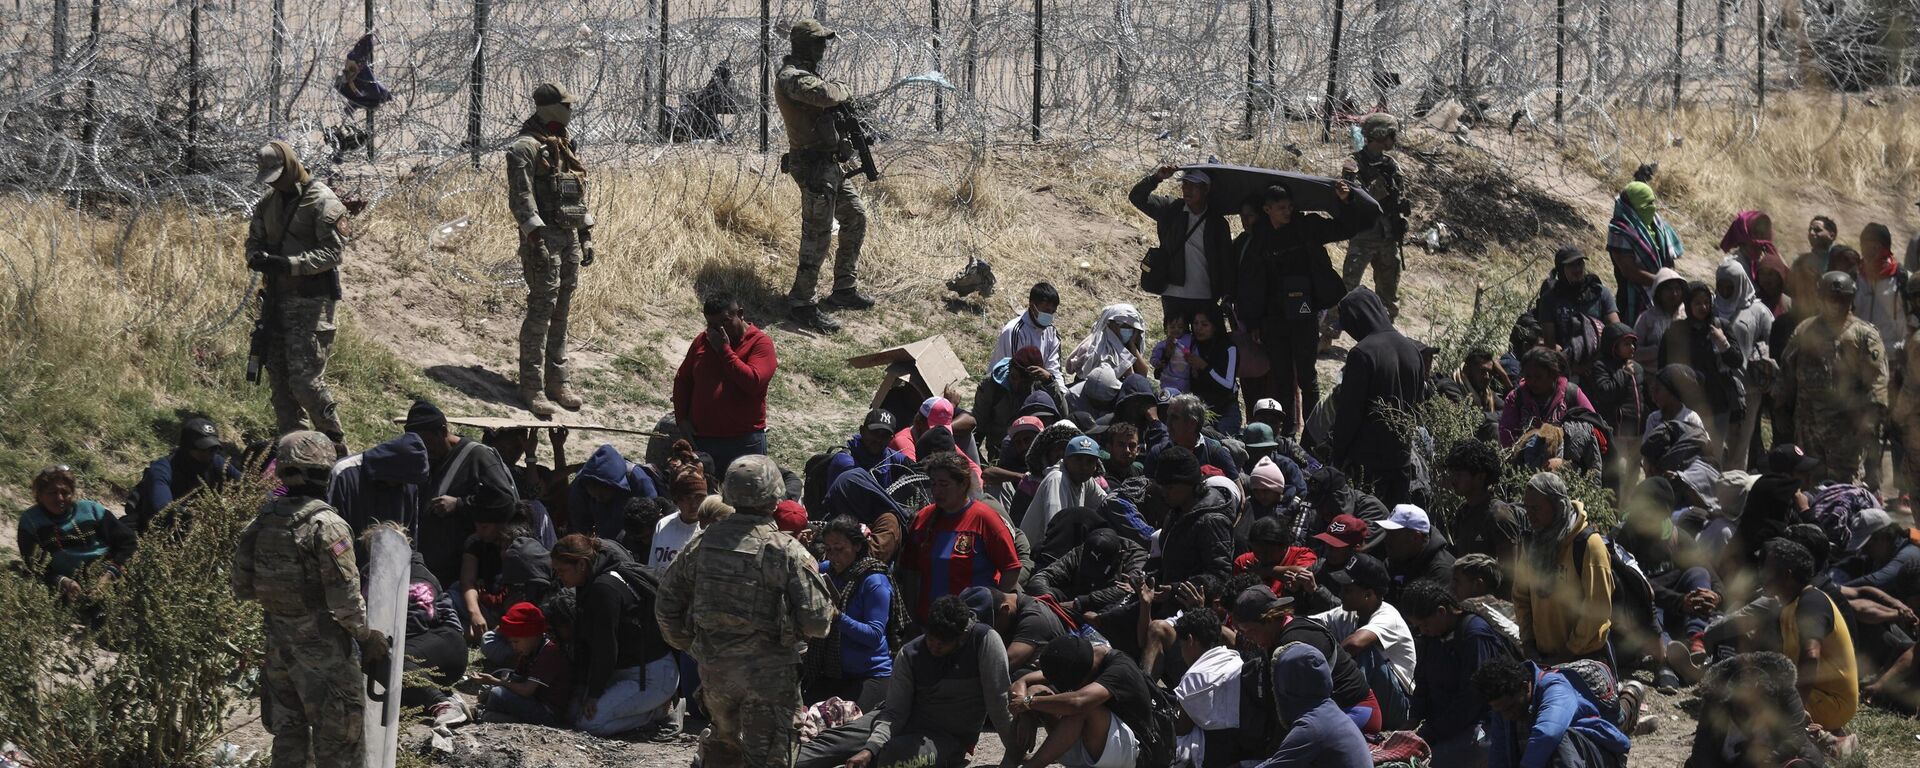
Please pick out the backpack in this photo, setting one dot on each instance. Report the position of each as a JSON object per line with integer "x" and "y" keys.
{"x": 814, "y": 481}
{"x": 644, "y": 587}
{"x": 908, "y": 488}
{"x": 1157, "y": 742}
{"x": 1595, "y": 683}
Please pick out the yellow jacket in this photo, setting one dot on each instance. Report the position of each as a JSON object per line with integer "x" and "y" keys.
{"x": 1835, "y": 690}
{"x": 1566, "y": 613}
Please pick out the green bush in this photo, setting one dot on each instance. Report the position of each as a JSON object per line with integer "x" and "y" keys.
{"x": 154, "y": 686}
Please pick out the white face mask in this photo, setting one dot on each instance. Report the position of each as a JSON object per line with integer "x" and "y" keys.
{"x": 1043, "y": 319}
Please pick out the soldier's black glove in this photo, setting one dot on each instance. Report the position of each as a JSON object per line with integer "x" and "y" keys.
{"x": 269, "y": 264}
{"x": 586, "y": 254}
{"x": 375, "y": 659}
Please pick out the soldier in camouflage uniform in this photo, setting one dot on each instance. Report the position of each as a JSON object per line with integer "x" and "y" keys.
{"x": 546, "y": 190}
{"x": 743, "y": 598}
{"x": 1833, "y": 378}
{"x": 1374, "y": 170}
{"x": 815, "y": 150}
{"x": 294, "y": 241}
{"x": 296, "y": 560}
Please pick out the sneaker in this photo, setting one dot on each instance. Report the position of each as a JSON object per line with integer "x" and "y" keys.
{"x": 1681, "y": 659}
{"x": 849, "y": 299}
{"x": 664, "y": 731}
{"x": 811, "y": 318}
{"x": 1666, "y": 681}
{"x": 449, "y": 713}
{"x": 1697, "y": 650}
{"x": 1632, "y": 694}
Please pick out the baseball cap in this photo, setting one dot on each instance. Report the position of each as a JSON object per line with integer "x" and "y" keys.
{"x": 879, "y": 419}
{"x": 1363, "y": 571}
{"x": 1787, "y": 458}
{"x": 1267, "y": 405}
{"x": 753, "y": 483}
{"x": 808, "y": 30}
{"x": 269, "y": 163}
{"x": 550, "y": 93}
{"x": 199, "y": 434}
{"x": 1081, "y": 445}
{"x": 1195, "y": 176}
{"x": 1253, "y": 603}
{"x": 789, "y": 516}
{"x": 1258, "y": 435}
{"x": 1026, "y": 424}
{"x": 1870, "y": 522}
{"x": 1568, "y": 254}
{"x": 938, "y": 411}
{"x": 1409, "y": 517}
{"x": 1344, "y": 532}
{"x": 980, "y": 601}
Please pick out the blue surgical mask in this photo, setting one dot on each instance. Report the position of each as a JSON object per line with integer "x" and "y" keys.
{"x": 1043, "y": 319}
{"x": 1126, "y": 335}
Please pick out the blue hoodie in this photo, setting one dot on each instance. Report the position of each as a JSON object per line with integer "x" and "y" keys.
{"x": 384, "y": 485}
{"x": 858, "y": 495}
{"x": 857, "y": 456}
{"x": 607, "y": 519}
{"x": 1319, "y": 734}
{"x": 170, "y": 478}
{"x": 1557, "y": 708}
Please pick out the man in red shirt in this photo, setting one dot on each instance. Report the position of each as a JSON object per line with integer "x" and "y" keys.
{"x": 956, "y": 542}
{"x": 720, "y": 393}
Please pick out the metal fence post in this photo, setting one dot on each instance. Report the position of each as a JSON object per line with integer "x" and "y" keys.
{"x": 973, "y": 48}
{"x": 193, "y": 88}
{"x": 766, "y": 73}
{"x": 60, "y": 11}
{"x": 1559, "y": 61}
{"x": 1679, "y": 46}
{"x": 371, "y": 55}
{"x": 89, "y": 128}
{"x": 477, "y": 79}
{"x": 276, "y": 53}
{"x": 1760, "y": 53}
{"x": 1253, "y": 61}
{"x": 939, "y": 100}
{"x": 666, "y": 131}
{"x": 1333, "y": 69}
{"x": 1039, "y": 60}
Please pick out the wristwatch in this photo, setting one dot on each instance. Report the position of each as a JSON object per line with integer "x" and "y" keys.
{"x": 1028, "y": 701}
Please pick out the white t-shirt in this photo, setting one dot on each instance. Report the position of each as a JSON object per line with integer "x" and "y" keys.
{"x": 670, "y": 535}
{"x": 1395, "y": 638}
{"x": 1686, "y": 414}
{"x": 1199, "y": 284}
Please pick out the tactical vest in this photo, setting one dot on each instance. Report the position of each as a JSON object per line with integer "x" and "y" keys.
{"x": 561, "y": 194}
{"x": 286, "y": 577}
{"x": 739, "y": 602}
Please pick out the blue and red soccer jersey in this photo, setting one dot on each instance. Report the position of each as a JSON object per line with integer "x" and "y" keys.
{"x": 954, "y": 552}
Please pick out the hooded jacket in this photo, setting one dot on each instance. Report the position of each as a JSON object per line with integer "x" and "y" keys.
{"x": 607, "y": 519}
{"x": 1690, "y": 343}
{"x": 1567, "y": 613}
{"x": 1081, "y": 581}
{"x": 382, "y": 483}
{"x": 1200, "y": 541}
{"x": 1618, "y": 388}
{"x": 1383, "y": 372}
{"x": 605, "y": 640}
{"x": 997, "y": 402}
{"x": 859, "y": 495}
{"x": 1749, "y": 321}
{"x": 1557, "y": 708}
{"x": 1319, "y": 733}
{"x": 174, "y": 477}
{"x": 1562, "y": 307}
{"x": 1651, "y": 326}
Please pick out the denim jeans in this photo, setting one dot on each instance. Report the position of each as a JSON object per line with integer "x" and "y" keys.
{"x": 513, "y": 707}
{"x": 625, "y": 705}
{"x": 1684, "y": 582}
{"x": 725, "y": 449}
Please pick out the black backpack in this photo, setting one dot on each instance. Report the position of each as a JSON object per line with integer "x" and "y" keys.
{"x": 1157, "y": 742}
{"x": 815, "y": 482}
{"x": 644, "y": 587}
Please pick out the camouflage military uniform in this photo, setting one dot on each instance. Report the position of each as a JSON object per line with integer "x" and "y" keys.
{"x": 1834, "y": 377}
{"x": 815, "y": 151}
{"x": 304, "y": 226}
{"x": 296, "y": 559}
{"x": 546, "y": 190}
{"x": 743, "y": 597}
{"x": 1378, "y": 246}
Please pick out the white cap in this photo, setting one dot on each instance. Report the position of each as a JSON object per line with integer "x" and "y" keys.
{"x": 1870, "y": 522}
{"x": 1268, "y": 404}
{"x": 1409, "y": 517}
{"x": 1195, "y": 176}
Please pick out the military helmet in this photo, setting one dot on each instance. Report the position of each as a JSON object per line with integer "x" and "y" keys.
{"x": 809, "y": 31}
{"x": 549, "y": 94}
{"x": 1379, "y": 125}
{"x": 1838, "y": 284}
{"x": 305, "y": 450}
{"x": 753, "y": 484}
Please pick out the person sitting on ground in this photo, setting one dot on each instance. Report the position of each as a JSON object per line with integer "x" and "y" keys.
{"x": 1284, "y": 567}
{"x": 1413, "y": 551}
{"x": 688, "y": 490}
{"x": 1384, "y": 374}
{"x": 597, "y": 500}
{"x": 1751, "y": 715}
{"x": 463, "y": 478}
{"x": 1034, "y": 329}
{"x": 1317, "y": 734}
{"x": 1215, "y": 365}
{"x": 1814, "y": 635}
{"x": 1669, "y": 302}
{"x": 1198, "y": 535}
{"x": 1563, "y": 585}
{"x": 196, "y": 462}
{"x": 1540, "y": 719}
{"x": 435, "y": 648}
{"x": 1009, "y": 470}
{"x": 1483, "y": 524}
{"x": 1684, "y": 598}
{"x": 1003, "y": 394}
{"x": 1543, "y": 396}
{"x": 382, "y": 483}
{"x": 1275, "y": 488}
{"x": 855, "y": 659}
{"x": 955, "y": 542}
{"x": 1120, "y": 453}
{"x": 1331, "y": 495}
{"x": 620, "y": 660}
{"x": 1883, "y": 572}
{"x": 1372, "y": 631}
{"x": 1674, "y": 391}
{"x": 502, "y": 565}
{"x": 547, "y": 488}
{"x": 868, "y": 450}
{"x": 86, "y": 546}
{"x": 947, "y": 683}
{"x": 1095, "y": 702}
{"x": 1186, "y": 417}
{"x": 1026, "y": 624}
{"x": 1074, "y": 482}
{"x": 538, "y": 688}
{"x": 1452, "y": 643}
{"x": 1338, "y": 544}
{"x": 1087, "y": 579}
{"x": 1209, "y": 692}
{"x": 1485, "y": 381}
{"x": 1267, "y": 622}
{"x": 1116, "y": 341}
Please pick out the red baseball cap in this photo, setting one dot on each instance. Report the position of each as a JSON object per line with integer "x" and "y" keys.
{"x": 1345, "y": 531}
{"x": 789, "y": 516}
{"x": 523, "y": 620}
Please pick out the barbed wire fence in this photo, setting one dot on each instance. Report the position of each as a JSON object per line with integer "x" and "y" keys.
{"x": 148, "y": 102}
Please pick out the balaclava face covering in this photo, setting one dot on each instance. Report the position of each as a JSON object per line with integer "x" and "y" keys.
{"x": 1641, "y": 197}
{"x": 294, "y": 173}
{"x": 554, "y": 116}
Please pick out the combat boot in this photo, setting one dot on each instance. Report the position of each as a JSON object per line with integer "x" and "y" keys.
{"x": 811, "y": 318}
{"x": 537, "y": 402}
{"x": 560, "y": 392}
{"x": 850, "y": 298}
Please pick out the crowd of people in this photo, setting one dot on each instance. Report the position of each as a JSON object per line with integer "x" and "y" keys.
{"x": 1124, "y": 553}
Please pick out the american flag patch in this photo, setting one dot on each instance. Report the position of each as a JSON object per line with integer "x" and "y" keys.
{"x": 340, "y": 547}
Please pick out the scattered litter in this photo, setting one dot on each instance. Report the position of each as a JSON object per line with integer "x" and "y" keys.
{"x": 12, "y": 756}
{"x": 228, "y": 755}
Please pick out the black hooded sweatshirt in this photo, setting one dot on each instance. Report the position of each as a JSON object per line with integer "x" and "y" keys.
{"x": 1617, "y": 388}
{"x": 1383, "y": 373}
{"x": 605, "y": 640}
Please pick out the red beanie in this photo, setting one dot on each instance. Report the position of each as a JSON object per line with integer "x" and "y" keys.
{"x": 789, "y": 516}
{"x": 523, "y": 620}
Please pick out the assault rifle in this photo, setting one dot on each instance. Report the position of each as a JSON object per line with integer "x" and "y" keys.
{"x": 848, "y": 123}
{"x": 262, "y": 340}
